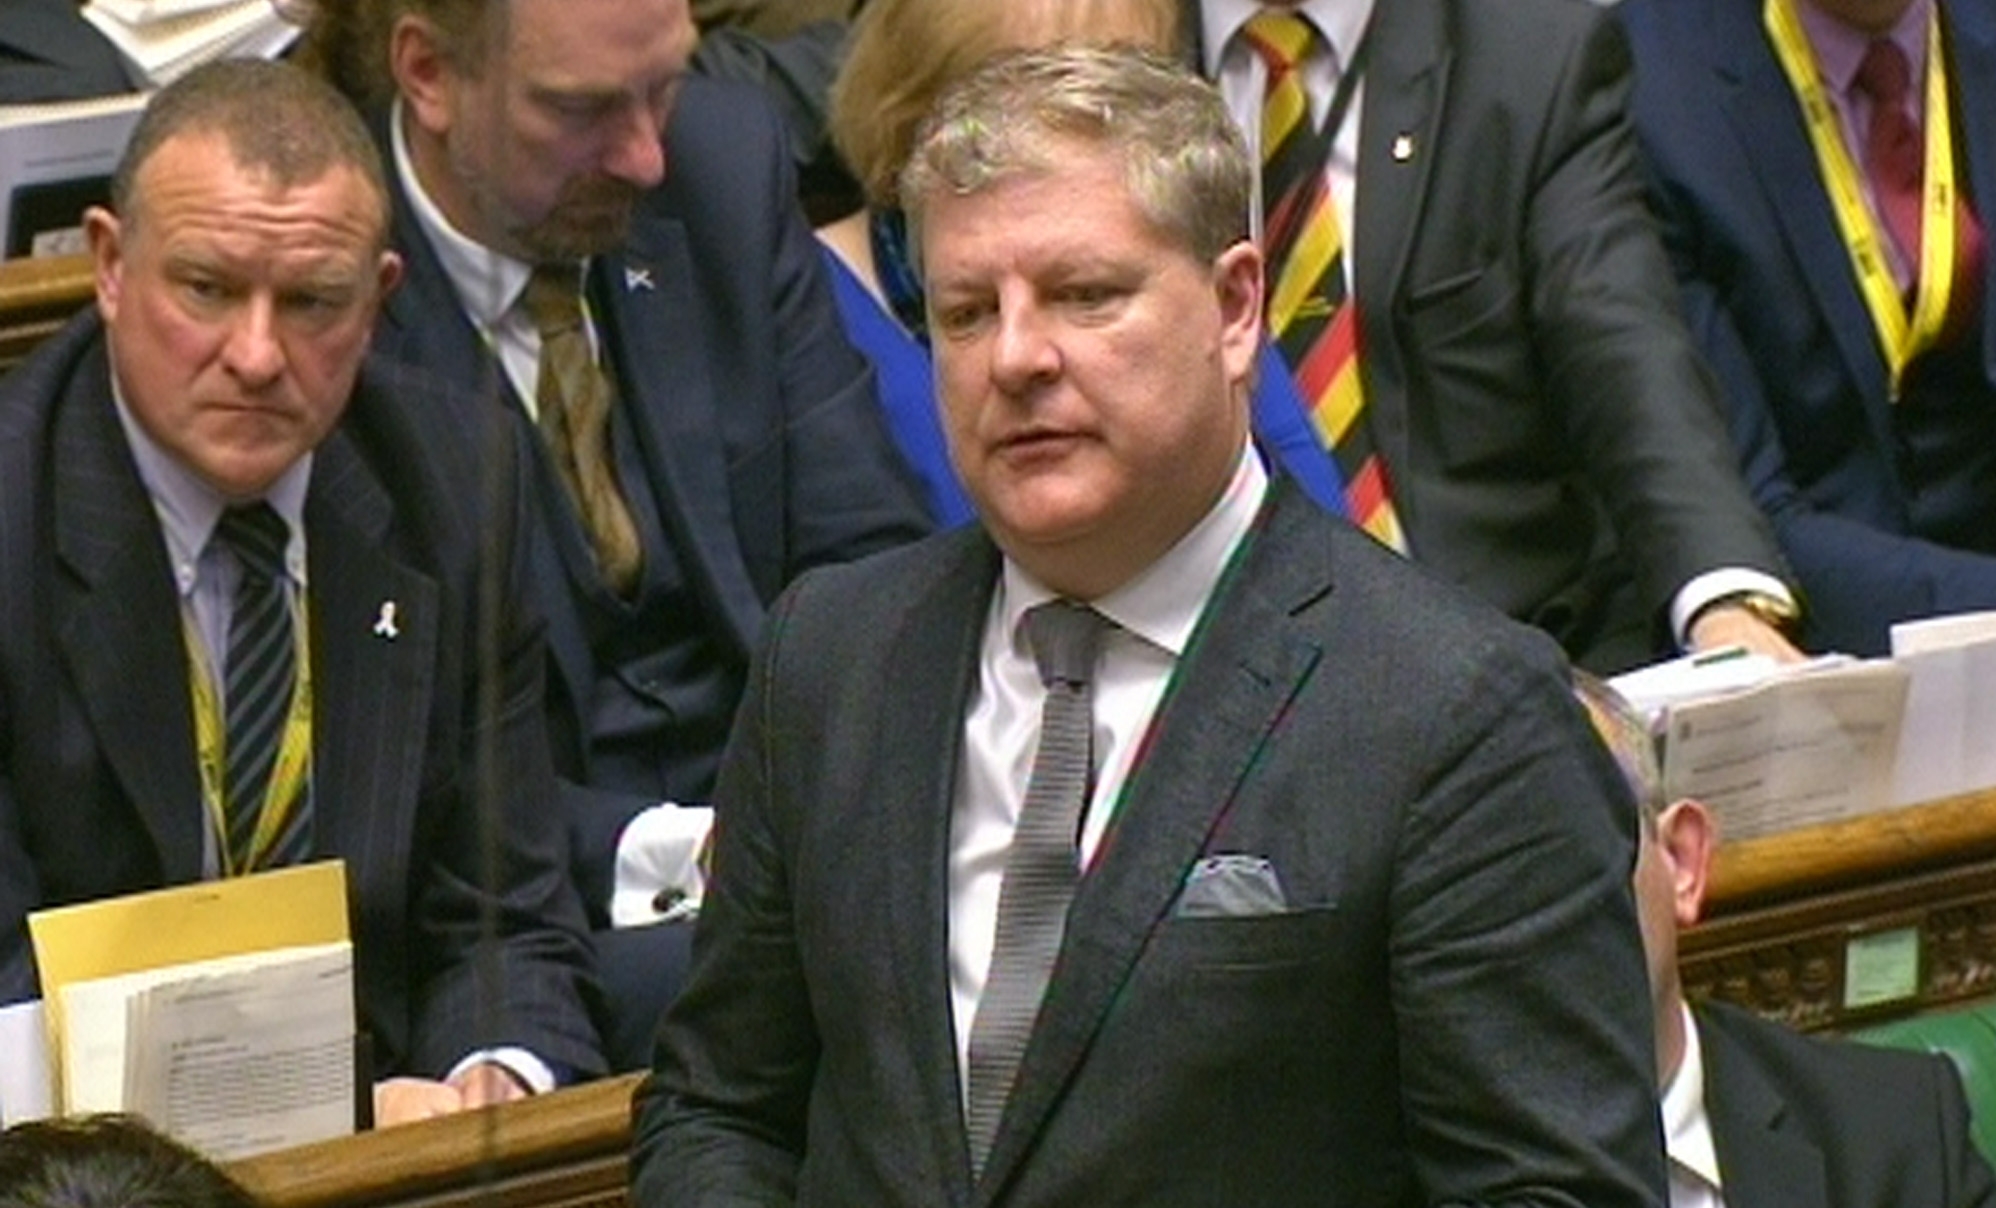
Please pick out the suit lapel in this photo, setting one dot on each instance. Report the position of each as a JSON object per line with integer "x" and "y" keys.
{"x": 645, "y": 295}
{"x": 1756, "y": 97}
{"x": 1763, "y": 1161}
{"x": 425, "y": 325}
{"x": 1244, "y": 666}
{"x": 936, "y": 647}
{"x": 371, "y": 690}
{"x": 1406, "y": 87}
{"x": 121, "y": 634}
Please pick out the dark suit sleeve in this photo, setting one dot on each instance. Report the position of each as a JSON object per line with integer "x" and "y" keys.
{"x": 1860, "y": 578}
{"x": 850, "y": 492}
{"x": 20, "y": 887}
{"x": 1636, "y": 401}
{"x": 1965, "y": 1172}
{"x": 1517, "y": 980}
{"x": 508, "y": 867}
{"x": 722, "y": 1117}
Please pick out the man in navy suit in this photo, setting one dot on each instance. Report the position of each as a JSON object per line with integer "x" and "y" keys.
{"x": 1322, "y": 899}
{"x": 565, "y": 137}
{"x": 219, "y": 387}
{"x": 1756, "y": 1115}
{"x": 1853, "y": 340}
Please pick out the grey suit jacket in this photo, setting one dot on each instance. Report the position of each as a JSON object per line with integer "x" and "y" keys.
{"x": 1801, "y": 1122}
{"x": 99, "y": 793}
{"x": 1556, "y": 445}
{"x": 1454, "y": 847}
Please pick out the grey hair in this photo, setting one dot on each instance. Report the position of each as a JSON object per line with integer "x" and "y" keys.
{"x": 1185, "y": 163}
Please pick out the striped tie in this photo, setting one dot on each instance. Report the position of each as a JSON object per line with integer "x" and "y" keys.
{"x": 1315, "y": 329}
{"x": 573, "y": 397}
{"x": 259, "y": 676}
{"x": 1040, "y": 869}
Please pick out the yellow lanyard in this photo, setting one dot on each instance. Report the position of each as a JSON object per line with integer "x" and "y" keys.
{"x": 1900, "y": 337}
{"x": 294, "y": 753}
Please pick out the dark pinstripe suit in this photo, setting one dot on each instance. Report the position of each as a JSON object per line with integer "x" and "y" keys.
{"x": 99, "y": 792}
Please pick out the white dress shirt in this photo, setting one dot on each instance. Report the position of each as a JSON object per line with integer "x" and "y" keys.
{"x": 1687, "y": 1131}
{"x": 1154, "y": 615}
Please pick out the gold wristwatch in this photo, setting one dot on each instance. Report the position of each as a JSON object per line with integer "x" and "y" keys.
{"x": 1770, "y": 610}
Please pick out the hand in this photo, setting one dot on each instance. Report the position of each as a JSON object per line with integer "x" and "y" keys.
{"x": 1731, "y": 625}
{"x": 487, "y": 1083}
{"x": 402, "y": 1100}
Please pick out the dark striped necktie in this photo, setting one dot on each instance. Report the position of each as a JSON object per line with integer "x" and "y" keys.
{"x": 260, "y": 675}
{"x": 1315, "y": 324}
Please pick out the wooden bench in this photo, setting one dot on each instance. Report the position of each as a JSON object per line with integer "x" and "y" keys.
{"x": 569, "y": 1149}
{"x": 1850, "y": 923}
{"x": 38, "y": 296}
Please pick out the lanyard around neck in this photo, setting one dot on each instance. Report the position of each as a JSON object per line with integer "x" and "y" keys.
{"x": 1901, "y": 336}
{"x": 294, "y": 752}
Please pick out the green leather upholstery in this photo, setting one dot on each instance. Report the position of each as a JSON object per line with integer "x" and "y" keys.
{"x": 1967, "y": 1035}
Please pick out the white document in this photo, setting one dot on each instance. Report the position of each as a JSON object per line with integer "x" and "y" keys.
{"x": 27, "y": 1083}
{"x": 233, "y": 1055}
{"x": 48, "y": 152}
{"x": 242, "y": 1063}
{"x": 1796, "y": 751}
{"x": 140, "y": 12}
{"x": 165, "y": 47}
{"x": 1652, "y": 689}
{"x": 1949, "y": 746}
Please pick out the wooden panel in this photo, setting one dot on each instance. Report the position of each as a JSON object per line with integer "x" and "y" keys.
{"x": 1853, "y": 922}
{"x": 1776, "y": 867}
{"x": 569, "y": 1149}
{"x": 38, "y": 296}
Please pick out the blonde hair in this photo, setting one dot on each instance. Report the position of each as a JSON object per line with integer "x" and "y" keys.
{"x": 1185, "y": 163}
{"x": 902, "y": 54}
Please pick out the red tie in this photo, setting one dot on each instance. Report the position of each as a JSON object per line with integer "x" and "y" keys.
{"x": 1893, "y": 155}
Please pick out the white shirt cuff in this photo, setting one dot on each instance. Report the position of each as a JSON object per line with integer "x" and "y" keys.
{"x": 658, "y": 865}
{"x": 1714, "y": 584}
{"x": 518, "y": 1062}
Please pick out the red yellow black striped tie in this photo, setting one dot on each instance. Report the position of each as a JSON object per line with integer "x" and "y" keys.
{"x": 1314, "y": 326}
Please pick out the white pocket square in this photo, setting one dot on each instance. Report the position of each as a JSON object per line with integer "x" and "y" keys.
{"x": 1230, "y": 886}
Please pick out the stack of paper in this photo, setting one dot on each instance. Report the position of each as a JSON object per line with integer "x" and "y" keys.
{"x": 1950, "y": 743}
{"x": 1801, "y": 748}
{"x": 165, "y": 39}
{"x": 1769, "y": 747}
{"x": 221, "y": 1011}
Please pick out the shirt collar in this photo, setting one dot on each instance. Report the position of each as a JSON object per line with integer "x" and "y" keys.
{"x": 1839, "y": 48}
{"x": 1162, "y": 604}
{"x": 1342, "y": 22}
{"x": 487, "y": 282}
{"x": 188, "y": 508}
{"x": 1687, "y": 1128}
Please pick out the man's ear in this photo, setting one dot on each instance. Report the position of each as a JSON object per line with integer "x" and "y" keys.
{"x": 424, "y": 76}
{"x": 388, "y": 274}
{"x": 105, "y": 235}
{"x": 1687, "y": 836}
{"x": 1237, "y": 282}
